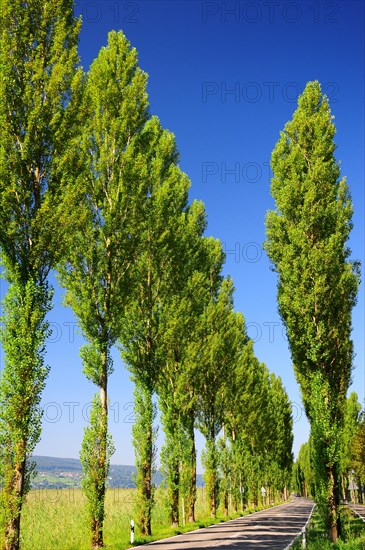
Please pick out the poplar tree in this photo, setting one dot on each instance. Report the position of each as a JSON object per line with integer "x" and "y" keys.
{"x": 216, "y": 358}
{"x": 240, "y": 407}
{"x": 176, "y": 385}
{"x": 204, "y": 281}
{"x": 351, "y": 422}
{"x": 249, "y": 422}
{"x": 38, "y": 59}
{"x": 163, "y": 232}
{"x": 281, "y": 437}
{"x": 358, "y": 453}
{"x": 109, "y": 181}
{"x": 303, "y": 477}
{"x": 317, "y": 283}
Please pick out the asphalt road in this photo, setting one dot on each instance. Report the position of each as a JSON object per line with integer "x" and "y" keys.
{"x": 271, "y": 529}
{"x": 359, "y": 509}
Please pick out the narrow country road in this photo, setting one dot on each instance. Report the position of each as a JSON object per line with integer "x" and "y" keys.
{"x": 271, "y": 529}
{"x": 359, "y": 509}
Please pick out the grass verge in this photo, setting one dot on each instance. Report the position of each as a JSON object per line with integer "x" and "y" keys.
{"x": 352, "y": 535}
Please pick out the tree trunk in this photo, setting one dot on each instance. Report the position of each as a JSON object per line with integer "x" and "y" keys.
{"x": 97, "y": 520}
{"x": 145, "y": 518}
{"x": 15, "y": 491}
{"x": 213, "y": 504}
{"x": 147, "y": 474}
{"x": 235, "y": 484}
{"x": 192, "y": 483}
{"x": 143, "y": 442}
{"x": 235, "y": 503}
{"x": 213, "y": 496}
{"x": 175, "y": 494}
{"x": 211, "y": 470}
{"x": 226, "y": 503}
{"x": 147, "y": 463}
{"x": 343, "y": 487}
{"x": 241, "y": 493}
{"x": 334, "y": 519}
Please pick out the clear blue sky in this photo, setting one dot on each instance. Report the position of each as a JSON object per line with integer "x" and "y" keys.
{"x": 224, "y": 77}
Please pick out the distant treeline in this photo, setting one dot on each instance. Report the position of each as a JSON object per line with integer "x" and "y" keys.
{"x": 120, "y": 476}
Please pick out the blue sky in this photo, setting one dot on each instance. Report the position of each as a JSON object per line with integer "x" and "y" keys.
{"x": 224, "y": 77}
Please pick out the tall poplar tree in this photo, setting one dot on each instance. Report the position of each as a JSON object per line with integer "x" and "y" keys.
{"x": 38, "y": 60}
{"x": 163, "y": 231}
{"x": 241, "y": 404}
{"x": 196, "y": 279}
{"x": 281, "y": 437}
{"x": 303, "y": 478}
{"x": 176, "y": 384}
{"x": 317, "y": 283}
{"x": 204, "y": 281}
{"x": 216, "y": 358}
{"x": 109, "y": 181}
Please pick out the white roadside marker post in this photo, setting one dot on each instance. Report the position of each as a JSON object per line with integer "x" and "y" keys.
{"x": 132, "y": 531}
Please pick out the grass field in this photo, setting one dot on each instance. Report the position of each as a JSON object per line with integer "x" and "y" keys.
{"x": 57, "y": 520}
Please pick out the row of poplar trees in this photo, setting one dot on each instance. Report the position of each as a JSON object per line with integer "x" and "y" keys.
{"x": 90, "y": 186}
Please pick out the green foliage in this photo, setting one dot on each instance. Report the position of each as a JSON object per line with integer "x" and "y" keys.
{"x": 351, "y": 422}
{"x": 210, "y": 461}
{"x": 38, "y": 59}
{"x": 144, "y": 438}
{"x": 107, "y": 185}
{"x": 303, "y": 475}
{"x": 280, "y": 436}
{"x": 23, "y": 379}
{"x": 317, "y": 283}
{"x": 352, "y": 533}
{"x": 307, "y": 244}
{"x": 225, "y": 461}
{"x": 92, "y": 360}
{"x": 90, "y": 183}
{"x": 258, "y": 417}
{"x": 168, "y": 231}
{"x": 358, "y": 450}
{"x": 217, "y": 350}
{"x": 108, "y": 190}
{"x": 171, "y": 456}
{"x": 177, "y": 389}
{"x": 97, "y": 447}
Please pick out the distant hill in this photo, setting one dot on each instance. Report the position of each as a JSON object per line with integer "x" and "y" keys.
{"x": 60, "y": 473}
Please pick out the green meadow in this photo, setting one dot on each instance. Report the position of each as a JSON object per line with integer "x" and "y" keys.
{"x": 57, "y": 519}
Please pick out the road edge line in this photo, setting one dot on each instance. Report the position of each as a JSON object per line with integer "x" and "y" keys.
{"x": 209, "y": 526}
{"x": 302, "y": 531}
